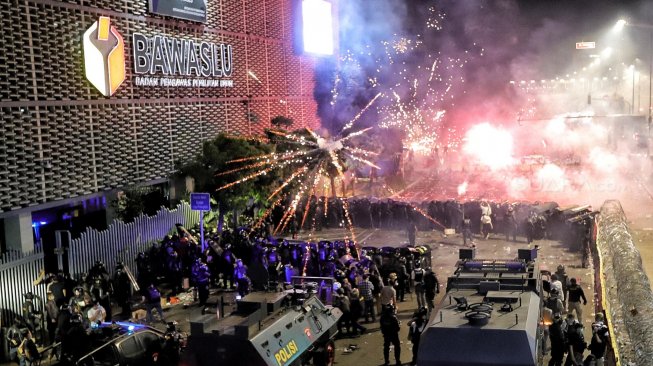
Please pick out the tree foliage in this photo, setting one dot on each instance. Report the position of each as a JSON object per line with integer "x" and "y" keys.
{"x": 134, "y": 201}
{"x": 282, "y": 122}
{"x": 214, "y": 159}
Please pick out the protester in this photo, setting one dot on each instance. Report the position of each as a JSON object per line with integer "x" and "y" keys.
{"x": 510, "y": 224}
{"x": 388, "y": 294}
{"x": 390, "y": 327}
{"x": 558, "y": 340}
{"x": 97, "y": 314}
{"x": 600, "y": 338}
{"x": 576, "y": 294}
{"x": 28, "y": 353}
{"x": 431, "y": 288}
{"x": 575, "y": 341}
{"x": 418, "y": 280}
{"x": 14, "y": 337}
{"x": 356, "y": 308}
{"x": 416, "y": 327}
{"x": 366, "y": 287}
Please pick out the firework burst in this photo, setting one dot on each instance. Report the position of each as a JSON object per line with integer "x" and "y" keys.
{"x": 308, "y": 160}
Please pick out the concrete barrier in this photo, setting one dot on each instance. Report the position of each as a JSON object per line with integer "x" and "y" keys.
{"x": 627, "y": 296}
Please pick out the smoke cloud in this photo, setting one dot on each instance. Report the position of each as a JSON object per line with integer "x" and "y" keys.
{"x": 493, "y": 96}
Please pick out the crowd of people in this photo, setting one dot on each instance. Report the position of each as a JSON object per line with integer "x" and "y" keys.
{"x": 369, "y": 282}
{"x": 398, "y": 215}
{"x": 564, "y": 328}
{"x": 531, "y": 220}
{"x": 73, "y": 310}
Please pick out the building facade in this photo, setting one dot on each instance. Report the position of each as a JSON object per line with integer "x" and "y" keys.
{"x": 184, "y": 81}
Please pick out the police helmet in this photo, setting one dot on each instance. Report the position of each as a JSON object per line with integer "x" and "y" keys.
{"x": 336, "y": 286}
{"x": 422, "y": 311}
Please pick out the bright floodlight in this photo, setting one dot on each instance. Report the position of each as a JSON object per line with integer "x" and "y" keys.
{"x": 317, "y": 22}
{"x": 606, "y": 52}
{"x": 619, "y": 26}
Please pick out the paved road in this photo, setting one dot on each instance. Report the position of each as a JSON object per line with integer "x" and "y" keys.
{"x": 444, "y": 256}
{"x": 638, "y": 206}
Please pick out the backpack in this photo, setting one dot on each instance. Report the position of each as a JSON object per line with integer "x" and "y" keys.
{"x": 419, "y": 276}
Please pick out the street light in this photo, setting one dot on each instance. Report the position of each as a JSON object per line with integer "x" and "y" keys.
{"x": 632, "y": 98}
{"x": 619, "y": 26}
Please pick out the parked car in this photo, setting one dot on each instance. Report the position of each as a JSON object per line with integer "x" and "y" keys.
{"x": 123, "y": 344}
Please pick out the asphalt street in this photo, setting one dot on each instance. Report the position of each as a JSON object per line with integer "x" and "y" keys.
{"x": 444, "y": 256}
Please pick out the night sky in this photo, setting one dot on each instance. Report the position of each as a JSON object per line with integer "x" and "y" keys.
{"x": 499, "y": 41}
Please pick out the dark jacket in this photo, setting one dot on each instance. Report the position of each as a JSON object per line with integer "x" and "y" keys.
{"x": 431, "y": 284}
{"x": 389, "y": 324}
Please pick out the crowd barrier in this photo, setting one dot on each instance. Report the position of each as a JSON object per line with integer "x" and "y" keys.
{"x": 119, "y": 242}
{"x": 123, "y": 241}
{"x": 625, "y": 290}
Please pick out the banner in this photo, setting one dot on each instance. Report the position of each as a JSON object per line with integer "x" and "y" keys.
{"x": 194, "y": 10}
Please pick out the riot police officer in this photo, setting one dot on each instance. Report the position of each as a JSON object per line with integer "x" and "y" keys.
{"x": 417, "y": 326}
{"x": 33, "y": 316}
{"x": 123, "y": 290}
{"x": 390, "y": 326}
{"x": 201, "y": 278}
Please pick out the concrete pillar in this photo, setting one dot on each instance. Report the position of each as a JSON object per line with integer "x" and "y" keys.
{"x": 180, "y": 188}
{"x": 18, "y": 232}
{"x": 190, "y": 184}
{"x": 111, "y": 197}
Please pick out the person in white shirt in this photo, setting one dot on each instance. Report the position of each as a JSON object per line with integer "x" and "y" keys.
{"x": 486, "y": 219}
{"x": 555, "y": 283}
{"x": 388, "y": 294}
{"x": 96, "y": 314}
{"x": 486, "y": 209}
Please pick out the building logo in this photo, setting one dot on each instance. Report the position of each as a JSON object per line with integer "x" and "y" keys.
{"x": 104, "y": 56}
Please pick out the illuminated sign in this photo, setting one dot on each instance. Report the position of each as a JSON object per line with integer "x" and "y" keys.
{"x": 104, "y": 56}
{"x": 287, "y": 353}
{"x": 317, "y": 27}
{"x": 158, "y": 58}
{"x": 585, "y": 45}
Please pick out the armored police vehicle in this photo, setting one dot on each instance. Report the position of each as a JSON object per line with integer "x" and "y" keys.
{"x": 267, "y": 329}
{"x": 490, "y": 314}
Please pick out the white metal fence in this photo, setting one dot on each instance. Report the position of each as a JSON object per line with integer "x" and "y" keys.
{"x": 18, "y": 271}
{"x": 119, "y": 242}
{"x": 122, "y": 242}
